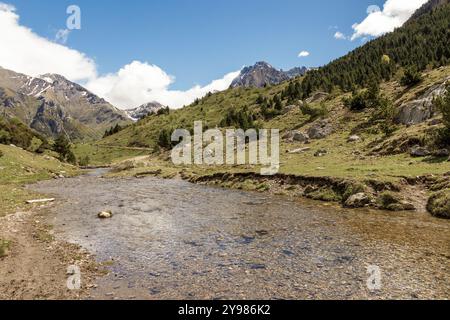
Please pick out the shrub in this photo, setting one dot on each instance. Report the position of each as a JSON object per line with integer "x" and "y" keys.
{"x": 165, "y": 139}
{"x": 385, "y": 114}
{"x": 62, "y": 147}
{"x": 443, "y": 104}
{"x": 117, "y": 128}
{"x": 85, "y": 161}
{"x": 314, "y": 112}
{"x": 411, "y": 78}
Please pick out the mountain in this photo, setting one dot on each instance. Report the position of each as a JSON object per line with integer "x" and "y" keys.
{"x": 297, "y": 72}
{"x": 53, "y": 105}
{"x": 144, "y": 110}
{"x": 427, "y": 7}
{"x": 381, "y": 61}
{"x": 262, "y": 74}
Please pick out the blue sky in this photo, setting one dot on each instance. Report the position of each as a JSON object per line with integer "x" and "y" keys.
{"x": 174, "y": 51}
{"x": 200, "y": 40}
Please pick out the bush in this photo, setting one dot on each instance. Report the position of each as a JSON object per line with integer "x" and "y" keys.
{"x": 314, "y": 112}
{"x": 165, "y": 139}
{"x": 357, "y": 102}
{"x": 241, "y": 119}
{"x": 12, "y": 131}
{"x": 116, "y": 129}
{"x": 62, "y": 147}
{"x": 1, "y": 153}
{"x": 5, "y": 137}
{"x": 84, "y": 161}
{"x": 443, "y": 104}
{"x": 385, "y": 114}
{"x": 411, "y": 78}
{"x": 439, "y": 204}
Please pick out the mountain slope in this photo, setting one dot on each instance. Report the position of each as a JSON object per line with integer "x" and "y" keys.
{"x": 427, "y": 7}
{"x": 262, "y": 74}
{"x": 420, "y": 43}
{"x": 53, "y": 105}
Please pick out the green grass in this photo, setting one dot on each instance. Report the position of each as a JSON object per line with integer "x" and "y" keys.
{"x": 18, "y": 168}
{"x": 343, "y": 160}
{"x": 104, "y": 155}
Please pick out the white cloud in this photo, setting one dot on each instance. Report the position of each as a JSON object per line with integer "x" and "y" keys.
{"x": 62, "y": 36}
{"x": 303, "y": 54}
{"x": 340, "y": 36}
{"x": 140, "y": 82}
{"x": 378, "y": 22}
{"x": 134, "y": 84}
{"x": 26, "y": 52}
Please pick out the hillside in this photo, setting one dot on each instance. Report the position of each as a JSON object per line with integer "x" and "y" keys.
{"x": 13, "y": 131}
{"x": 422, "y": 42}
{"x": 19, "y": 167}
{"x": 52, "y": 106}
{"x": 386, "y": 135}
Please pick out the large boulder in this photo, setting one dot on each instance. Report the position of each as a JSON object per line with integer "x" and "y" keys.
{"x": 296, "y": 136}
{"x": 319, "y": 130}
{"x": 354, "y": 138}
{"x": 300, "y": 137}
{"x": 422, "y": 109}
{"x": 441, "y": 153}
{"x": 317, "y": 97}
{"x": 418, "y": 151}
{"x": 358, "y": 200}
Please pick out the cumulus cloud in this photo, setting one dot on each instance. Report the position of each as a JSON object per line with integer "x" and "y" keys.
{"x": 340, "y": 36}
{"x": 303, "y": 54}
{"x": 378, "y": 22}
{"x": 26, "y": 52}
{"x": 134, "y": 84}
{"x": 140, "y": 82}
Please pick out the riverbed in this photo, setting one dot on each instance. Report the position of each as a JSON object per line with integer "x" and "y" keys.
{"x": 170, "y": 239}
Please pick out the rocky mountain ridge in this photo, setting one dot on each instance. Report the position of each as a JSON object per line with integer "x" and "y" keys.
{"x": 144, "y": 110}
{"x": 53, "y": 105}
{"x": 262, "y": 74}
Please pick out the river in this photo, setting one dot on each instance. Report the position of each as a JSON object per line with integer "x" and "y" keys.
{"x": 169, "y": 239}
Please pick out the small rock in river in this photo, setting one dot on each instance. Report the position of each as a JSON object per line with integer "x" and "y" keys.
{"x": 105, "y": 215}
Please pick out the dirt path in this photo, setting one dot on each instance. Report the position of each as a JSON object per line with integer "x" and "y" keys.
{"x": 36, "y": 264}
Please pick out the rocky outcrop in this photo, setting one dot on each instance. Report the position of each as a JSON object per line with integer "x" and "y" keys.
{"x": 144, "y": 110}
{"x": 319, "y": 130}
{"x": 296, "y": 136}
{"x": 53, "y": 105}
{"x": 418, "y": 151}
{"x": 317, "y": 97}
{"x": 354, "y": 138}
{"x": 262, "y": 74}
{"x": 422, "y": 109}
{"x": 358, "y": 200}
